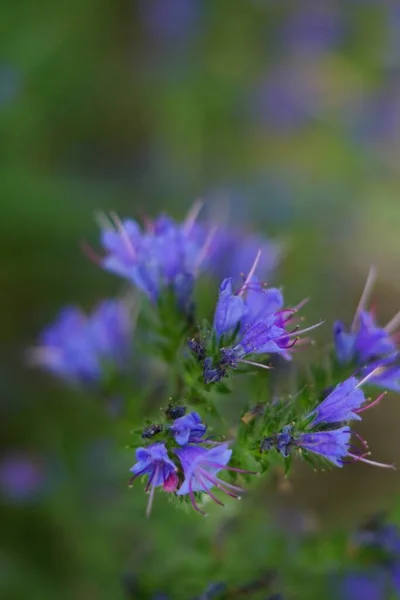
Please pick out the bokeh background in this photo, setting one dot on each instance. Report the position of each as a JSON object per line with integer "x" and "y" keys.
{"x": 288, "y": 112}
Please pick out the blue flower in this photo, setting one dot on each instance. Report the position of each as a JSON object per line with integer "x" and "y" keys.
{"x": 164, "y": 255}
{"x": 333, "y": 445}
{"x": 76, "y": 347}
{"x": 369, "y": 345}
{"x": 188, "y": 429}
{"x": 256, "y": 319}
{"x": 154, "y": 462}
{"x": 341, "y": 404}
{"x": 232, "y": 252}
{"x": 201, "y": 467}
{"x": 361, "y": 585}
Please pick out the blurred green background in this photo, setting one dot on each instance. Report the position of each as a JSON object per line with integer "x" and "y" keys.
{"x": 288, "y": 111}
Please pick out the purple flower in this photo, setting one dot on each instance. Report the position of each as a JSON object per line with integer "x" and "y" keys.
{"x": 341, "y": 404}
{"x": 21, "y": 477}
{"x": 333, "y": 445}
{"x": 314, "y": 29}
{"x": 188, "y": 429}
{"x": 163, "y": 255}
{"x": 76, "y": 347}
{"x": 232, "y": 251}
{"x": 360, "y": 585}
{"x": 154, "y": 462}
{"x": 201, "y": 467}
{"x": 257, "y": 319}
{"x": 344, "y": 403}
{"x": 369, "y": 345}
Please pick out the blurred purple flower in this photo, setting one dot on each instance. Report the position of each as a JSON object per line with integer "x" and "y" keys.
{"x": 362, "y": 585}
{"x": 232, "y": 252}
{"x": 366, "y": 344}
{"x": 315, "y": 27}
{"x": 170, "y": 20}
{"x": 282, "y": 100}
{"x": 165, "y": 255}
{"x": 22, "y": 476}
{"x": 78, "y": 348}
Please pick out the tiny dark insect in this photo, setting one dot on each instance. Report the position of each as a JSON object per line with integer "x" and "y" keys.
{"x": 152, "y": 430}
{"x": 174, "y": 411}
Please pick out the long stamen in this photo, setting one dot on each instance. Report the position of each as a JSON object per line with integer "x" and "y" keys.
{"x": 132, "y": 479}
{"x": 193, "y": 499}
{"x": 371, "y": 404}
{"x": 371, "y": 462}
{"x": 251, "y": 273}
{"x": 364, "y": 443}
{"x": 255, "y": 364}
{"x": 208, "y": 491}
{"x": 393, "y": 324}
{"x": 373, "y": 373}
{"x": 298, "y": 332}
{"x": 102, "y": 220}
{"x": 364, "y": 296}
{"x": 228, "y": 468}
{"x": 192, "y": 215}
{"x": 236, "y": 488}
{"x": 206, "y": 246}
{"x": 123, "y": 233}
{"x": 90, "y": 253}
{"x": 218, "y": 483}
{"x": 153, "y": 487}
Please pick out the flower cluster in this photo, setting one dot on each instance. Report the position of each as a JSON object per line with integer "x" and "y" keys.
{"x": 254, "y": 321}
{"x": 79, "y": 348}
{"x": 252, "y": 326}
{"x": 200, "y": 461}
{"x": 325, "y": 431}
{"x": 368, "y": 345}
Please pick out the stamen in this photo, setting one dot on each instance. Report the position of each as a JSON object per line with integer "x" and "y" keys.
{"x": 193, "y": 499}
{"x": 132, "y": 479}
{"x": 91, "y": 254}
{"x": 393, "y": 324}
{"x": 371, "y": 462}
{"x": 192, "y": 215}
{"x": 102, "y": 220}
{"x": 364, "y": 443}
{"x": 255, "y": 364}
{"x": 123, "y": 233}
{"x": 371, "y": 404}
{"x": 228, "y": 468}
{"x": 289, "y": 334}
{"x": 251, "y": 273}
{"x": 236, "y": 488}
{"x": 364, "y": 296}
{"x": 218, "y": 483}
{"x": 206, "y": 246}
{"x": 373, "y": 373}
{"x": 207, "y": 491}
{"x": 153, "y": 487}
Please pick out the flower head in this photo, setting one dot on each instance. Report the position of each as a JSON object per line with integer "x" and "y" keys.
{"x": 341, "y": 404}
{"x": 76, "y": 346}
{"x": 188, "y": 429}
{"x": 367, "y": 344}
{"x": 154, "y": 462}
{"x": 254, "y": 321}
{"x": 164, "y": 255}
{"x": 201, "y": 467}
